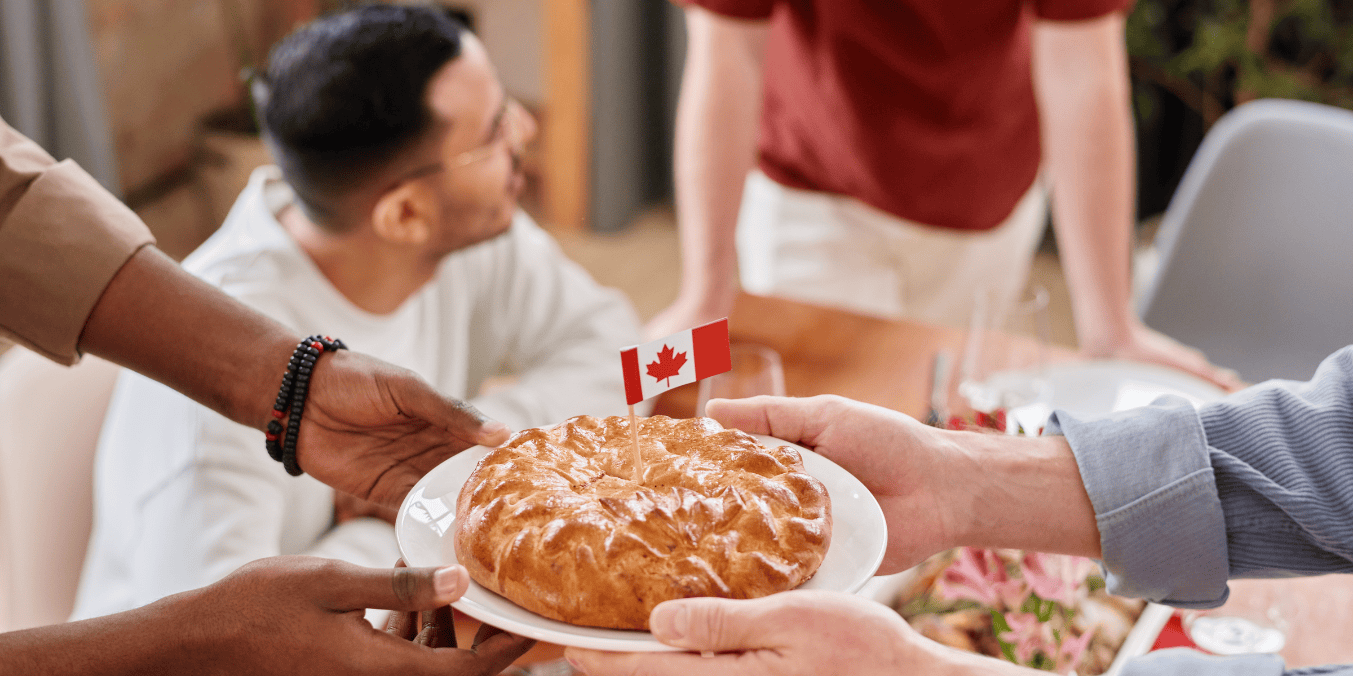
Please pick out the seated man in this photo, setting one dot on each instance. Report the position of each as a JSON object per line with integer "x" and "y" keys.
{"x": 393, "y": 225}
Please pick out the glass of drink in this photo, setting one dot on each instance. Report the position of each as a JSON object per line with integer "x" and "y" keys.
{"x": 1005, "y": 357}
{"x": 1248, "y": 623}
{"x": 756, "y": 370}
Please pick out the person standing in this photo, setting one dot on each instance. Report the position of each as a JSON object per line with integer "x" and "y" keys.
{"x": 893, "y": 158}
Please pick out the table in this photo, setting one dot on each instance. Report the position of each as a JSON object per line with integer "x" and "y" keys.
{"x": 1318, "y": 612}
{"x": 888, "y": 363}
{"x": 830, "y": 351}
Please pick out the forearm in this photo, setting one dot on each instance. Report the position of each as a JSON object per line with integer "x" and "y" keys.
{"x": 152, "y": 309}
{"x": 158, "y": 638}
{"x": 716, "y": 133}
{"x": 1248, "y": 486}
{"x": 1080, "y": 75}
{"x": 1019, "y": 492}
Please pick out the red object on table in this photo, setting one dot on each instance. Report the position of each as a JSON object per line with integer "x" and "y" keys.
{"x": 1174, "y": 636}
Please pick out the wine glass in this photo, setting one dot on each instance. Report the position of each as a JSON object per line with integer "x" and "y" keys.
{"x": 1004, "y": 363}
{"x": 757, "y": 369}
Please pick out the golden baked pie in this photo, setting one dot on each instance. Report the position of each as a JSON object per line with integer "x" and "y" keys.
{"x": 554, "y": 520}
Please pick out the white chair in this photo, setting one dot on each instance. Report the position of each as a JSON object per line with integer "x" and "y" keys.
{"x": 1256, "y": 248}
{"x": 50, "y": 417}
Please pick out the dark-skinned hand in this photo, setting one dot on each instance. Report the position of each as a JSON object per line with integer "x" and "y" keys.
{"x": 373, "y": 430}
{"x": 298, "y": 615}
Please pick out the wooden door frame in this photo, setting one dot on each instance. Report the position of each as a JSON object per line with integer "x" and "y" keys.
{"x": 566, "y": 156}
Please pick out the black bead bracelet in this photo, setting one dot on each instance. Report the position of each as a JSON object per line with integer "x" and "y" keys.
{"x": 291, "y": 400}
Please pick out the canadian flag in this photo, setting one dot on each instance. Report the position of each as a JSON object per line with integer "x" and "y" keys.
{"x": 679, "y": 359}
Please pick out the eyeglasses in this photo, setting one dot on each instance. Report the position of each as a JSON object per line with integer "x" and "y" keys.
{"x": 508, "y": 126}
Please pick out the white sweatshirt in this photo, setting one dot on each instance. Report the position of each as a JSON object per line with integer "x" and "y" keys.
{"x": 184, "y": 496}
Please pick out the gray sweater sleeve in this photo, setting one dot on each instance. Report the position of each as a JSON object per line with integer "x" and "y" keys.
{"x": 1185, "y": 662}
{"x": 1259, "y": 484}
{"x": 1149, "y": 477}
{"x": 1283, "y": 457}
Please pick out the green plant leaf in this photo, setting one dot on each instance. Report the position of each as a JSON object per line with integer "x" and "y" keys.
{"x": 1143, "y": 31}
{"x": 1000, "y": 626}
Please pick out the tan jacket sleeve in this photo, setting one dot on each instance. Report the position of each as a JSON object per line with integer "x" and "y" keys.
{"x": 62, "y": 238}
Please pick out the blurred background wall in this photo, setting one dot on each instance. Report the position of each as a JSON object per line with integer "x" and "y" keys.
{"x": 160, "y": 89}
{"x": 167, "y": 69}
{"x": 147, "y": 94}
{"x": 49, "y": 84}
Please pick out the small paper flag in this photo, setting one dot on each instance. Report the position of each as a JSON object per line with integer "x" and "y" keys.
{"x": 679, "y": 359}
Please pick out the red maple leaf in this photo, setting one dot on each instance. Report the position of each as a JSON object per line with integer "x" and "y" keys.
{"x": 667, "y": 365}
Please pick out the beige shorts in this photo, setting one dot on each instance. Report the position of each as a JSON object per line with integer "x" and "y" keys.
{"x": 837, "y": 251}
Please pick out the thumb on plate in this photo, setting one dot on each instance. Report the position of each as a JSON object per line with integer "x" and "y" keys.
{"x": 714, "y": 624}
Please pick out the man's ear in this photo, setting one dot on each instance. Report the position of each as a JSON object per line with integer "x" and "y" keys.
{"x": 404, "y": 215}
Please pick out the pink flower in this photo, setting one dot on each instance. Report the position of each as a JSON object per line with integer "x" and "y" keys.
{"x": 974, "y": 575}
{"x": 1029, "y": 636}
{"x": 1003, "y": 580}
{"x": 1042, "y": 573}
{"x": 1071, "y": 650}
{"x": 1012, "y": 593}
{"x": 1053, "y": 577}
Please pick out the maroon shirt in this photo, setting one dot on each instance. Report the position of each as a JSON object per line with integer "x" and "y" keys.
{"x": 922, "y": 108}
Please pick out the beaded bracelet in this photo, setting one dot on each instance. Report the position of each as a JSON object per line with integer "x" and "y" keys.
{"x": 291, "y": 400}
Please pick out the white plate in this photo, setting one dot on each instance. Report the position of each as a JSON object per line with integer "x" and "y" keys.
{"x": 1093, "y": 388}
{"x": 1105, "y": 386}
{"x": 424, "y": 526}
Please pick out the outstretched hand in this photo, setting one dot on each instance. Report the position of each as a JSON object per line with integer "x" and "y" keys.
{"x": 370, "y": 428}
{"x": 373, "y": 430}
{"x": 1148, "y": 345}
{"x": 895, "y": 456}
{"x": 797, "y": 633}
{"x": 938, "y": 488}
{"x": 437, "y": 629}
{"x": 300, "y": 615}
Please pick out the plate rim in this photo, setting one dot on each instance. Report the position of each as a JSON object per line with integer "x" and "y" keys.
{"x": 1130, "y": 365}
{"x": 622, "y": 640}
{"x": 1124, "y": 369}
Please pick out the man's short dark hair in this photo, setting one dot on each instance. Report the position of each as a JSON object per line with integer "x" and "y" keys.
{"x": 346, "y": 94}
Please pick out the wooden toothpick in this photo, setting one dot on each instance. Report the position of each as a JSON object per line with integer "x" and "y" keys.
{"x": 638, "y": 459}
